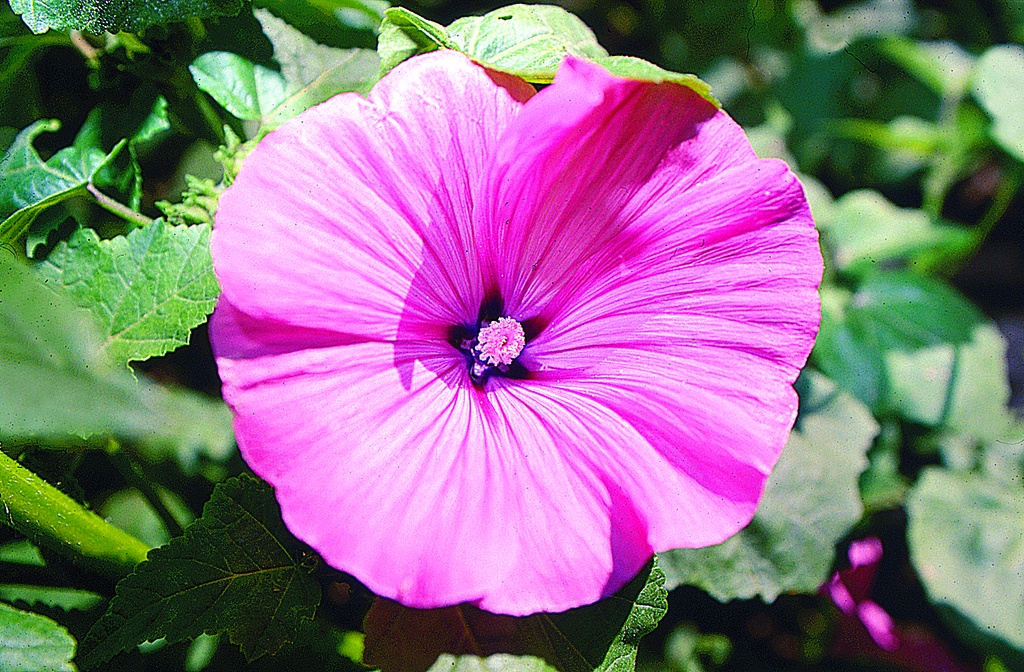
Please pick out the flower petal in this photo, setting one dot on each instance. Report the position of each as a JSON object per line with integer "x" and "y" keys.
{"x": 579, "y": 153}
{"x": 334, "y": 214}
{"x": 523, "y": 498}
{"x": 696, "y": 337}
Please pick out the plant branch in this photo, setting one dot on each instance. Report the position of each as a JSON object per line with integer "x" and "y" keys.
{"x": 119, "y": 209}
{"x": 50, "y": 518}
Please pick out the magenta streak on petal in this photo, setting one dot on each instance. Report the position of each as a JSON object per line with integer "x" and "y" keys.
{"x": 663, "y": 278}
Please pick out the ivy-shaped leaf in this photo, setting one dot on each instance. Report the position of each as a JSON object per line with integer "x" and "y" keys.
{"x": 30, "y": 642}
{"x": 28, "y": 185}
{"x": 98, "y": 16}
{"x": 231, "y": 572}
{"x": 602, "y": 637}
{"x": 810, "y": 503}
{"x": 147, "y": 290}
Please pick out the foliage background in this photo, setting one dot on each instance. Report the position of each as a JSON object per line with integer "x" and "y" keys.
{"x": 905, "y": 122}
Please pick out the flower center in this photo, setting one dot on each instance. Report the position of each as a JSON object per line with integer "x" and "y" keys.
{"x": 496, "y": 346}
{"x": 500, "y": 342}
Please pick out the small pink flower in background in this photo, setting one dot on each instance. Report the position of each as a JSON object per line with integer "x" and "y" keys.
{"x": 906, "y": 647}
{"x": 497, "y": 346}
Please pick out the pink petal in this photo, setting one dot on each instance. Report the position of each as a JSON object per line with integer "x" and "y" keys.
{"x": 568, "y": 169}
{"x": 334, "y": 215}
{"x": 879, "y": 625}
{"x": 695, "y": 339}
{"x": 443, "y": 493}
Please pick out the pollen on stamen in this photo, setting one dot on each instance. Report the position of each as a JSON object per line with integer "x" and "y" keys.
{"x": 500, "y": 342}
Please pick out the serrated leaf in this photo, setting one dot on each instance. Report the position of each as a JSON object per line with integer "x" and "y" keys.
{"x": 603, "y": 636}
{"x": 528, "y": 41}
{"x": 98, "y": 16}
{"x": 147, "y": 290}
{"x": 966, "y": 536}
{"x": 33, "y": 643}
{"x": 57, "y": 597}
{"x": 229, "y": 573}
{"x": 57, "y": 386}
{"x": 963, "y": 386}
{"x": 999, "y": 86}
{"x": 28, "y": 185}
{"x": 811, "y": 501}
{"x": 314, "y": 72}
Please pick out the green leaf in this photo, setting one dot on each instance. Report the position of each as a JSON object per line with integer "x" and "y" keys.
{"x": 961, "y": 386}
{"x": 528, "y": 41}
{"x": 336, "y": 23}
{"x": 810, "y": 503}
{"x": 848, "y": 352}
{"x": 314, "y": 72}
{"x": 310, "y": 74}
{"x": 639, "y": 69}
{"x": 57, "y": 386}
{"x": 33, "y": 643}
{"x": 229, "y": 573}
{"x": 864, "y": 231}
{"x": 146, "y": 290}
{"x": 603, "y": 636}
{"x": 999, "y": 86}
{"x": 98, "y": 16}
{"x": 28, "y": 185}
{"x": 57, "y": 597}
{"x": 245, "y": 89}
{"x": 403, "y": 34}
{"x": 966, "y": 536}
{"x": 944, "y": 67}
{"x": 909, "y": 311}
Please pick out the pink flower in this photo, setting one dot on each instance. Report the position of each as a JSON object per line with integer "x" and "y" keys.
{"x": 497, "y": 346}
{"x": 865, "y": 630}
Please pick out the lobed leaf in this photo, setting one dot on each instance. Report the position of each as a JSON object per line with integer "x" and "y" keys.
{"x": 30, "y": 642}
{"x": 229, "y": 573}
{"x": 965, "y": 534}
{"x": 98, "y": 16}
{"x": 811, "y": 501}
{"x": 603, "y": 636}
{"x": 57, "y": 385}
{"x": 146, "y": 290}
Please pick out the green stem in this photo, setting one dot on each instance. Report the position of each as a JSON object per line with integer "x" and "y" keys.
{"x": 133, "y": 474}
{"x": 119, "y": 209}
{"x": 1001, "y": 202}
{"x": 50, "y": 518}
